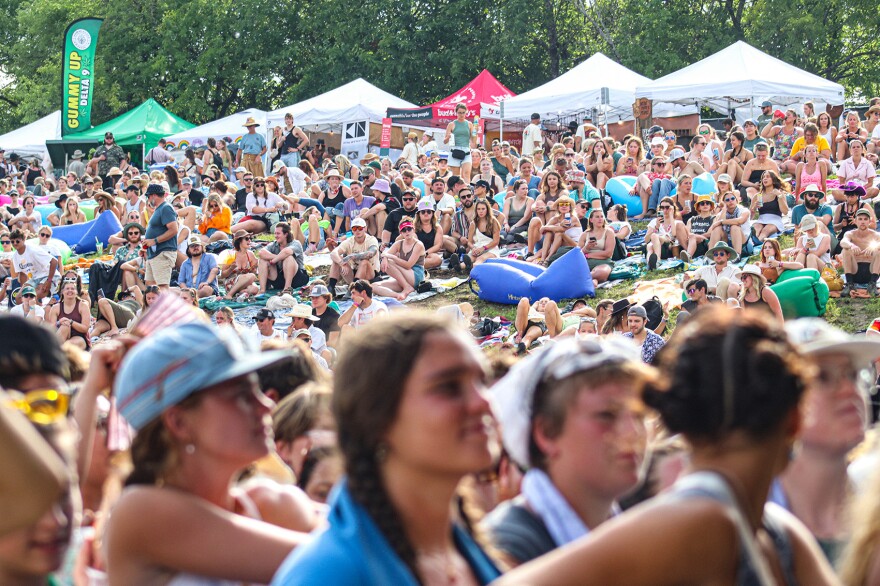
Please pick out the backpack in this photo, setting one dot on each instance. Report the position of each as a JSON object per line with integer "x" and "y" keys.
{"x": 654, "y": 309}
{"x": 218, "y": 160}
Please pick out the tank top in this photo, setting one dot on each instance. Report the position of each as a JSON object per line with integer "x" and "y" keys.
{"x": 332, "y": 202}
{"x": 461, "y": 134}
{"x": 759, "y": 304}
{"x": 708, "y": 485}
{"x": 516, "y": 214}
{"x": 426, "y": 238}
{"x": 784, "y": 144}
{"x": 827, "y": 136}
{"x": 499, "y": 169}
{"x": 599, "y": 243}
{"x": 814, "y": 178}
{"x": 770, "y": 207}
{"x": 132, "y": 207}
{"x": 406, "y": 255}
{"x": 76, "y": 316}
{"x": 700, "y": 225}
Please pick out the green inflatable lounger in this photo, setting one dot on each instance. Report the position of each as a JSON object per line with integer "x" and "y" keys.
{"x": 801, "y": 293}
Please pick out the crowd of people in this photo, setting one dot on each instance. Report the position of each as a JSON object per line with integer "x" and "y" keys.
{"x": 355, "y": 443}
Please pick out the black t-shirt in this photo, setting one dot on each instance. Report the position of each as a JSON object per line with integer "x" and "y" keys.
{"x": 241, "y": 200}
{"x": 327, "y": 321}
{"x": 393, "y": 219}
{"x": 391, "y": 203}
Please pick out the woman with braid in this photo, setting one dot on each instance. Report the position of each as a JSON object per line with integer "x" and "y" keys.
{"x": 413, "y": 421}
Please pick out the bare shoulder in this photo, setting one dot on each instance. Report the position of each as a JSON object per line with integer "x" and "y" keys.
{"x": 810, "y": 564}
{"x": 284, "y": 505}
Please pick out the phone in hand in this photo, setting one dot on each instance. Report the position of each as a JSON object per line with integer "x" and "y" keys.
{"x": 101, "y": 293}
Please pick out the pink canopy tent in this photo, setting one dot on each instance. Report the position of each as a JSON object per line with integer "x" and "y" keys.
{"x": 483, "y": 90}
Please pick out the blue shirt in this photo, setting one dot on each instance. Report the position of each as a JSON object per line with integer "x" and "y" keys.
{"x": 534, "y": 182}
{"x": 352, "y": 551}
{"x": 252, "y": 144}
{"x": 209, "y": 261}
{"x": 799, "y": 211}
{"x": 158, "y": 225}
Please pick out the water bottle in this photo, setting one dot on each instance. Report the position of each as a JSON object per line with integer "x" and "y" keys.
{"x": 476, "y": 125}
{"x": 99, "y": 246}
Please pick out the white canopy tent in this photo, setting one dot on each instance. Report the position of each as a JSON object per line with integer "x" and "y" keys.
{"x": 740, "y": 75}
{"x": 231, "y": 126}
{"x": 356, "y": 100}
{"x": 30, "y": 140}
{"x": 577, "y": 91}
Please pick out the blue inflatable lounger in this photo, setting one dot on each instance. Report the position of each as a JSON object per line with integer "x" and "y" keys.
{"x": 502, "y": 280}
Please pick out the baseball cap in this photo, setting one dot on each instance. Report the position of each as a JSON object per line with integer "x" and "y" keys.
{"x": 301, "y": 332}
{"x": 638, "y": 311}
{"x": 264, "y": 314}
{"x": 750, "y": 121}
{"x": 27, "y": 290}
{"x": 186, "y": 181}
{"x": 319, "y": 291}
{"x": 444, "y": 156}
{"x": 436, "y": 179}
{"x": 658, "y": 140}
{"x": 514, "y": 394}
{"x": 655, "y": 129}
{"x": 724, "y": 178}
{"x": 766, "y": 104}
{"x": 132, "y": 188}
{"x": 426, "y": 205}
{"x": 815, "y": 336}
{"x": 536, "y": 116}
{"x": 676, "y": 154}
{"x": 241, "y": 170}
{"x": 863, "y": 212}
{"x": 193, "y": 240}
{"x": 359, "y": 222}
{"x": 170, "y": 365}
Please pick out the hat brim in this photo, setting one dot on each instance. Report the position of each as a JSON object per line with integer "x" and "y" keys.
{"x": 310, "y": 317}
{"x": 622, "y": 309}
{"x": 861, "y": 351}
{"x": 733, "y": 255}
{"x": 249, "y": 363}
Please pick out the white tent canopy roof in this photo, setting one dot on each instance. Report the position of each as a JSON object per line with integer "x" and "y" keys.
{"x": 30, "y": 140}
{"x": 738, "y": 74}
{"x": 579, "y": 89}
{"x": 356, "y": 100}
{"x": 231, "y": 126}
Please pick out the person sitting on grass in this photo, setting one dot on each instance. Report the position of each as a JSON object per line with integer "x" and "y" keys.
{"x": 430, "y": 234}
{"x": 364, "y": 308}
{"x": 314, "y": 230}
{"x": 404, "y": 263}
{"x": 115, "y": 315}
{"x": 216, "y": 222}
{"x": 771, "y": 204}
{"x": 813, "y": 247}
{"x": 562, "y": 229}
{"x": 733, "y": 224}
{"x": 772, "y": 262}
{"x": 756, "y": 294}
{"x": 722, "y": 277}
{"x": 860, "y": 255}
{"x": 484, "y": 234}
{"x": 698, "y": 229}
{"x": 241, "y": 273}
{"x": 698, "y": 297}
{"x": 199, "y": 271}
{"x": 281, "y": 264}
{"x": 665, "y": 234}
{"x": 356, "y": 258}
{"x": 597, "y": 243}
{"x": 813, "y": 204}
{"x": 533, "y": 321}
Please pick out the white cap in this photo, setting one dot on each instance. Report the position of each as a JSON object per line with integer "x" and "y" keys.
{"x": 359, "y": 222}
{"x": 814, "y": 336}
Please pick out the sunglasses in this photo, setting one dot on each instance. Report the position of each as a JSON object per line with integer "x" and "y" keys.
{"x": 466, "y": 196}
{"x": 5, "y": 241}
{"x": 357, "y": 228}
{"x": 691, "y": 291}
{"x": 704, "y": 131}
{"x": 29, "y": 296}
{"x": 409, "y": 199}
{"x": 259, "y": 183}
{"x": 659, "y": 163}
{"x": 248, "y": 179}
{"x": 670, "y": 137}
{"x": 719, "y": 253}
{"x": 45, "y": 235}
{"x": 133, "y": 233}
{"x": 569, "y": 154}
{"x": 406, "y": 229}
{"x": 425, "y": 212}
{"x": 42, "y": 407}
{"x": 729, "y": 199}
{"x": 665, "y": 207}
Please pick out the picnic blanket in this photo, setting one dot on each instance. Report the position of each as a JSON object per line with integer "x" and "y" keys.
{"x": 667, "y": 290}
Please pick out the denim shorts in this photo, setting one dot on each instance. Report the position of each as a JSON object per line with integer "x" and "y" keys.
{"x": 418, "y": 274}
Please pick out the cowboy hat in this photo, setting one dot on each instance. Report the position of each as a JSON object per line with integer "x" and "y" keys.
{"x": 250, "y": 122}
{"x": 303, "y": 311}
{"x": 332, "y": 173}
{"x": 369, "y": 157}
{"x": 754, "y": 271}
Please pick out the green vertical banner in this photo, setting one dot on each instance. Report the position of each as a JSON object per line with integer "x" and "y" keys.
{"x": 78, "y": 82}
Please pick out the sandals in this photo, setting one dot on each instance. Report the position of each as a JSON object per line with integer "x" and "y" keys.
{"x": 287, "y": 291}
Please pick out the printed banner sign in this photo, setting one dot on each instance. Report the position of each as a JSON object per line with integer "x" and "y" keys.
{"x": 355, "y": 138}
{"x": 78, "y": 82}
{"x": 385, "y": 143}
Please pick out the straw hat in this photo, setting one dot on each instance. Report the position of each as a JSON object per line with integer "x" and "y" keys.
{"x": 755, "y": 272}
{"x": 251, "y": 122}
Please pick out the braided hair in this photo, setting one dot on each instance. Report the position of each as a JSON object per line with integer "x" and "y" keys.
{"x": 368, "y": 389}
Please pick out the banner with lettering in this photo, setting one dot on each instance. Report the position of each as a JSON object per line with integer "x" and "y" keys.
{"x": 385, "y": 142}
{"x": 78, "y": 82}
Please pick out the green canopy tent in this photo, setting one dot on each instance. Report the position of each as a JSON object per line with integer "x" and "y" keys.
{"x": 136, "y": 131}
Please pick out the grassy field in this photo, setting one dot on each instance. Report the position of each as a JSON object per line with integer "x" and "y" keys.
{"x": 851, "y": 315}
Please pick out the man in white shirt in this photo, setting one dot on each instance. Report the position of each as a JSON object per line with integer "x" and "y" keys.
{"x": 443, "y": 203}
{"x": 33, "y": 264}
{"x": 264, "y": 328}
{"x": 291, "y": 180}
{"x": 583, "y": 131}
{"x": 159, "y": 154}
{"x": 722, "y": 278}
{"x": 304, "y": 320}
{"x": 363, "y": 309}
{"x": 27, "y": 305}
{"x": 532, "y": 137}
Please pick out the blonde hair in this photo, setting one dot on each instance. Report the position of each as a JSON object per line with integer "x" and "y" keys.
{"x": 860, "y": 553}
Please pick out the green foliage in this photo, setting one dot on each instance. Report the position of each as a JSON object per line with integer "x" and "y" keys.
{"x": 204, "y": 59}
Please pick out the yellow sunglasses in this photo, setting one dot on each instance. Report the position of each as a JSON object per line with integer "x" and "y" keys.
{"x": 41, "y": 407}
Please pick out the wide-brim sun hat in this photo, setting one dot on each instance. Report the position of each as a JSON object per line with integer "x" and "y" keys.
{"x": 725, "y": 247}
{"x": 814, "y": 336}
{"x": 168, "y": 366}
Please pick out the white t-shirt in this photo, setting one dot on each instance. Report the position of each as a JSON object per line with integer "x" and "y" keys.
{"x": 35, "y": 310}
{"x": 297, "y": 180}
{"x": 35, "y": 219}
{"x": 255, "y": 337}
{"x": 272, "y": 200}
{"x": 446, "y": 202}
{"x": 34, "y": 262}
{"x": 363, "y": 315}
{"x": 531, "y": 134}
{"x": 711, "y": 276}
